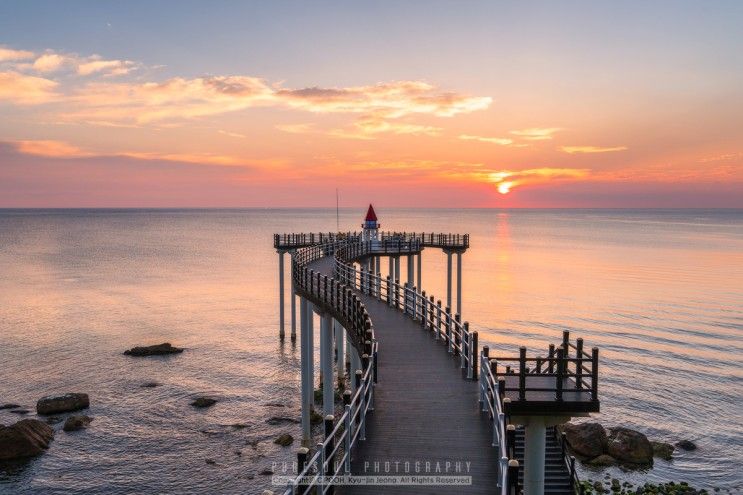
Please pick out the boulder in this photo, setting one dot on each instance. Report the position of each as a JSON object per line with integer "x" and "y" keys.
{"x": 284, "y": 440}
{"x": 153, "y": 350}
{"x": 77, "y": 422}
{"x": 25, "y": 438}
{"x": 587, "y": 440}
{"x": 203, "y": 402}
{"x": 662, "y": 450}
{"x": 686, "y": 445}
{"x": 603, "y": 460}
{"x": 630, "y": 447}
{"x": 53, "y": 404}
{"x": 315, "y": 417}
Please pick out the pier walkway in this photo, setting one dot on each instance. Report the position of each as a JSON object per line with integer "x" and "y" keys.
{"x": 425, "y": 412}
{"x": 425, "y": 402}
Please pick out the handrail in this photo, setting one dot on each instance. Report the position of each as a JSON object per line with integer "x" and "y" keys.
{"x": 569, "y": 461}
{"x": 446, "y": 325}
{"x": 337, "y": 298}
{"x": 427, "y": 239}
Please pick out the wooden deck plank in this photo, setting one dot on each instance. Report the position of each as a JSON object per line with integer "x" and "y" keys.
{"x": 425, "y": 411}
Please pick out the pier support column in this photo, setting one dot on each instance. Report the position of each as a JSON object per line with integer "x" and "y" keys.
{"x": 397, "y": 268}
{"x": 379, "y": 275}
{"x": 326, "y": 363}
{"x": 448, "y": 279}
{"x": 311, "y": 352}
{"x": 294, "y": 313}
{"x": 281, "y": 295}
{"x": 534, "y": 452}
{"x": 392, "y": 269}
{"x": 459, "y": 283}
{"x": 339, "y": 354}
{"x": 419, "y": 283}
{"x": 304, "y": 366}
{"x": 411, "y": 270}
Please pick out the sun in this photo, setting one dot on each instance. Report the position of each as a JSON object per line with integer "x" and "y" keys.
{"x": 505, "y": 187}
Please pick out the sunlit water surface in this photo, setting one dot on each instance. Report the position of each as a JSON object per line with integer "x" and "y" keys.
{"x": 659, "y": 292}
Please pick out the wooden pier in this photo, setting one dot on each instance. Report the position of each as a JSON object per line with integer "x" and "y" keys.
{"x": 425, "y": 402}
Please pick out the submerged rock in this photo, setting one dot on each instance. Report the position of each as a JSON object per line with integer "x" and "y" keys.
{"x": 630, "y": 447}
{"x": 77, "y": 422}
{"x": 280, "y": 420}
{"x": 203, "y": 402}
{"x": 150, "y": 385}
{"x": 662, "y": 450}
{"x": 588, "y": 440}
{"x": 53, "y": 404}
{"x": 26, "y": 438}
{"x": 153, "y": 350}
{"x": 20, "y": 411}
{"x": 284, "y": 440}
{"x": 686, "y": 445}
{"x": 9, "y": 406}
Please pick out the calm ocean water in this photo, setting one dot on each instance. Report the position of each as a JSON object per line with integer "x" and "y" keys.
{"x": 659, "y": 292}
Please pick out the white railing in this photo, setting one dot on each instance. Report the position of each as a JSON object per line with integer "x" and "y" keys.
{"x": 491, "y": 404}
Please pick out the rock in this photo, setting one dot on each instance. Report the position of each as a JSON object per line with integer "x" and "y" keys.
{"x": 280, "y": 420}
{"x": 630, "y": 447}
{"x": 587, "y": 440}
{"x": 25, "y": 438}
{"x": 53, "y": 420}
{"x": 239, "y": 426}
{"x": 9, "y": 406}
{"x": 275, "y": 404}
{"x": 211, "y": 462}
{"x": 203, "y": 402}
{"x": 77, "y": 422}
{"x": 686, "y": 445}
{"x": 284, "y": 440}
{"x": 150, "y": 385}
{"x": 153, "y": 350}
{"x": 20, "y": 411}
{"x": 266, "y": 471}
{"x": 315, "y": 417}
{"x": 598, "y": 487}
{"x": 662, "y": 450}
{"x": 602, "y": 461}
{"x": 614, "y": 483}
{"x": 53, "y": 404}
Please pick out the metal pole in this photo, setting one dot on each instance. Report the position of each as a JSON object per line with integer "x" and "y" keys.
{"x": 281, "y": 295}
{"x": 311, "y": 353}
{"x": 294, "y": 313}
{"x": 448, "y": 279}
{"x": 306, "y": 392}
{"x": 459, "y": 283}
{"x": 326, "y": 363}
{"x": 340, "y": 358}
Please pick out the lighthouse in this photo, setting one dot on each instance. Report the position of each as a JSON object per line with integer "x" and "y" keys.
{"x": 370, "y": 225}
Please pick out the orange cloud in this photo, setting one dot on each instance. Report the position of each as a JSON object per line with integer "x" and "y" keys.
{"x": 9, "y": 54}
{"x": 536, "y": 133}
{"x": 505, "y": 180}
{"x": 493, "y": 140}
{"x": 53, "y": 149}
{"x": 591, "y": 149}
{"x": 22, "y": 89}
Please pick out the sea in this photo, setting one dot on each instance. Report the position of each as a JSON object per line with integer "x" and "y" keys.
{"x": 660, "y": 292}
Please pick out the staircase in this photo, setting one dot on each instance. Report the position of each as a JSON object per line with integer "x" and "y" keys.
{"x": 556, "y": 474}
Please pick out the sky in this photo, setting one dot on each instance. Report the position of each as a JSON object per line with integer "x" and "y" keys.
{"x": 401, "y": 103}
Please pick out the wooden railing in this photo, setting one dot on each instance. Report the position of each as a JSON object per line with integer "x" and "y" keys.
{"x": 426, "y": 239}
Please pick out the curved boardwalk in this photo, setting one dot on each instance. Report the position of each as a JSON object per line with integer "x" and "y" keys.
{"x": 424, "y": 411}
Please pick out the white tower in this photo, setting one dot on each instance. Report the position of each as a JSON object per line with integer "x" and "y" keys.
{"x": 370, "y": 225}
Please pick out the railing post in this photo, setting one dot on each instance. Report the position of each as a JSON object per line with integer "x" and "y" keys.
{"x": 348, "y": 430}
{"x": 510, "y": 440}
{"x": 513, "y": 476}
{"x": 579, "y": 363}
{"x": 424, "y": 309}
{"x": 522, "y": 373}
{"x": 559, "y": 377}
{"x": 448, "y": 330}
{"x": 320, "y": 469}
{"x": 389, "y": 291}
{"x": 362, "y": 404}
{"x": 483, "y": 376}
{"x": 551, "y": 356}
{"x": 329, "y": 446}
{"x": 595, "y": 374}
{"x": 302, "y": 453}
{"x": 502, "y": 472}
{"x": 472, "y": 353}
{"x": 397, "y": 293}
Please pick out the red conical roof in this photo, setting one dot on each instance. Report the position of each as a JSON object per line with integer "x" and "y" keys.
{"x": 370, "y": 215}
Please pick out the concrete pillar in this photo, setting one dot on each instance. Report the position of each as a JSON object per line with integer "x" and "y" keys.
{"x": 339, "y": 347}
{"x": 294, "y": 313}
{"x": 534, "y": 448}
{"x": 418, "y": 272}
{"x": 379, "y": 274}
{"x": 311, "y": 351}
{"x": 397, "y": 268}
{"x": 459, "y": 283}
{"x": 304, "y": 366}
{"x": 355, "y": 365}
{"x": 326, "y": 363}
{"x": 281, "y": 295}
{"x": 448, "y": 279}
{"x": 392, "y": 269}
{"x": 411, "y": 270}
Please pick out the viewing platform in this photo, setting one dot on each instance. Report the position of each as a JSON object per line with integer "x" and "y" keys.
{"x": 421, "y": 392}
